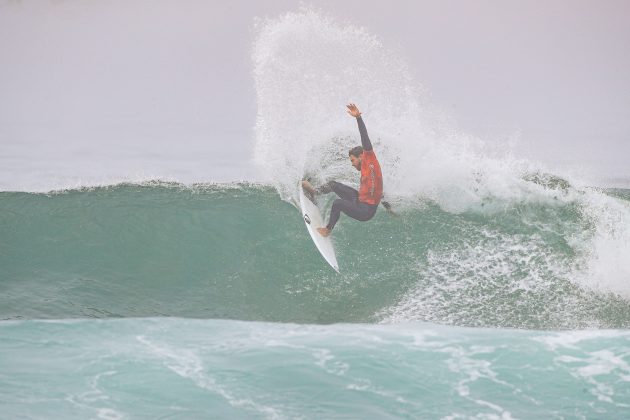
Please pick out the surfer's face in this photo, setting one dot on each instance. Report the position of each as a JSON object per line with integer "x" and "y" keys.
{"x": 356, "y": 162}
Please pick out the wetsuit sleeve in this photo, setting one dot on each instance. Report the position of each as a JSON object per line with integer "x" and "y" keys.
{"x": 365, "y": 140}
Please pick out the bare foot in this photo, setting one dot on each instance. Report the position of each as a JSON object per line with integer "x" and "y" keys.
{"x": 308, "y": 187}
{"x": 324, "y": 231}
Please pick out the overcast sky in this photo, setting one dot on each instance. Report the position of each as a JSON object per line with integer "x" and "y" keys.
{"x": 81, "y": 73}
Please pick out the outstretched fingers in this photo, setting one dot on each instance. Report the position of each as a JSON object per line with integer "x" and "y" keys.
{"x": 353, "y": 110}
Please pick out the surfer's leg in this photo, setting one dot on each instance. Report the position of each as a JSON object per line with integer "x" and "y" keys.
{"x": 343, "y": 191}
{"x": 355, "y": 209}
{"x": 338, "y": 206}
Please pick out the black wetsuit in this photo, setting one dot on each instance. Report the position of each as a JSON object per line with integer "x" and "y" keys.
{"x": 348, "y": 201}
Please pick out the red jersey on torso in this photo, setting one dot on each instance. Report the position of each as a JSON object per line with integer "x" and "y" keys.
{"x": 371, "y": 189}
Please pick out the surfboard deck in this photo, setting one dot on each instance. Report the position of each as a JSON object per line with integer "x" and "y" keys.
{"x": 313, "y": 219}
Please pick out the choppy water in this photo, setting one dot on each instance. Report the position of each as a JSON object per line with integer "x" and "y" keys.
{"x": 181, "y": 368}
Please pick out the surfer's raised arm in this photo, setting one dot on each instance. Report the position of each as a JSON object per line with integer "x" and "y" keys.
{"x": 365, "y": 140}
{"x": 360, "y": 205}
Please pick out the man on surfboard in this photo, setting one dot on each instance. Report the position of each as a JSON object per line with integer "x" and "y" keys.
{"x": 360, "y": 205}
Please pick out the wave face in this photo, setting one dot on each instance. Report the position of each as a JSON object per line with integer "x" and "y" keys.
{"x": 160, "y": 368}
{"x": 240, "y": 252}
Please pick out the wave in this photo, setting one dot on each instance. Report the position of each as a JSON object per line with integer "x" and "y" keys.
{"x": 238, "y": 251}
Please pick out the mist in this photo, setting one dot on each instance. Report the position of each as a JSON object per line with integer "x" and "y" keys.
{"x": 100, "y": 91}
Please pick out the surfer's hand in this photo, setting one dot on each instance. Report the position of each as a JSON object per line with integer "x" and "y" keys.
{"x": 388, "y": 207}
{"x": 353, "y": 110}
{"x": 308, "y": 187}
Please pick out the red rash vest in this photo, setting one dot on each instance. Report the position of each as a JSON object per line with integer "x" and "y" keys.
{"x": 371, "y": 188}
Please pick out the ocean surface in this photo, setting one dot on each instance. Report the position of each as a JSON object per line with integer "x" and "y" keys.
{"x": 160, "y": 300}
{"x": 500, "y": 290}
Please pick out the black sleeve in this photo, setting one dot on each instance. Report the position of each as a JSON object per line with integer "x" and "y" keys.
{"x": 365, "y": 140}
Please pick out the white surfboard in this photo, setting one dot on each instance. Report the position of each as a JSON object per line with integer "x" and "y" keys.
{"x": 313, "y": 219}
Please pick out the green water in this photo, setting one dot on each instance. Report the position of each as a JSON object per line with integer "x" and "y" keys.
{"x": 239, "y": 252}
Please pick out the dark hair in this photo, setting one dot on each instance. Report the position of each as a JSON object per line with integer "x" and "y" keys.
{"x": 356, "y": 151}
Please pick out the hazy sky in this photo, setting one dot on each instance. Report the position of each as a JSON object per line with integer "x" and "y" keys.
{"x": 85, "y": 74}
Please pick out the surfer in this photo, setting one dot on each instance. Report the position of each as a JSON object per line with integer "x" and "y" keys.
{"x": 360, "y": 205}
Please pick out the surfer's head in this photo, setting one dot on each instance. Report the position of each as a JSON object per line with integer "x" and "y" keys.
{"x": 355, "y": 156}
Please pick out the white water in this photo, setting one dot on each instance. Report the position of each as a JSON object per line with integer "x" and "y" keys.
{"x": 307, "y": 67}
